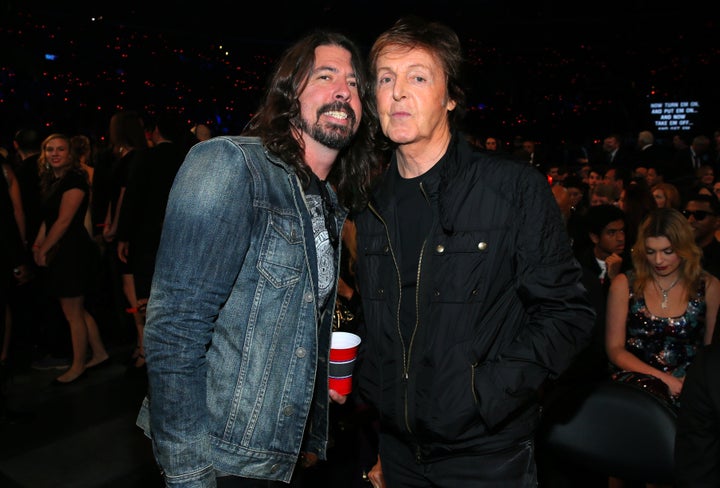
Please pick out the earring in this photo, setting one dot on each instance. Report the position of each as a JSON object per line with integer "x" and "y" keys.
{"x": 47, "y": 166}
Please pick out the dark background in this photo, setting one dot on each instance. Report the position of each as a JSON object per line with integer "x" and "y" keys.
{"x": 559, "y": 72}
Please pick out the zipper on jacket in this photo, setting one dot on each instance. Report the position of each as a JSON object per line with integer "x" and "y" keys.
{"x": 405, "y": 355}
{"x": 406, "y": 360}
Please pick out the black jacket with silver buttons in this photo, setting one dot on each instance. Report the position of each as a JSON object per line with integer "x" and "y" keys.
{"x": 499, "y": 303}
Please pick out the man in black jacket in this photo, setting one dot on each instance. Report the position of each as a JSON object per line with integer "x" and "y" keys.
{"x": 702, "y": 213}
{"x": 697, "y": 450}
{"x": 471, "y": 294}
{"x": 13, "y": 271}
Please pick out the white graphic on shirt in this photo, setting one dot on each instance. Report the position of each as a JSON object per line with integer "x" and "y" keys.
{"x": 325, "y": 251}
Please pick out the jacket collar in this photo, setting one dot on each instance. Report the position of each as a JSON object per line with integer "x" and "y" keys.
{"x": 452, "y": 162}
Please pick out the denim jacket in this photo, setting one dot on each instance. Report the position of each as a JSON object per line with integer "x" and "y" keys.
{"x": 235, "y": 347}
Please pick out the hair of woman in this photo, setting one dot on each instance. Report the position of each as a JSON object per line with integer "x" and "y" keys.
{"x": 47, "y": 176}
{"x": 672, "y": 195}
{"x": 671, "y": 224}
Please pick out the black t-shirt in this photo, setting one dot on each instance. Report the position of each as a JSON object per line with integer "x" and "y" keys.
{"x": 414, "y": 220}
{"x": 323, "y": 218}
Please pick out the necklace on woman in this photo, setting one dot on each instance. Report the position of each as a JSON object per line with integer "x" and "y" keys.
{"x": 665, "y": 291}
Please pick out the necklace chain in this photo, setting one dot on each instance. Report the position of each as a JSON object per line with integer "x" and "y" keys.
{"x": 664, "y": 291}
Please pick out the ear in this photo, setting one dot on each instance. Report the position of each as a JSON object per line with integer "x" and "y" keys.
{"x": 450, "y": 105}
{"x": 594, "y": 237}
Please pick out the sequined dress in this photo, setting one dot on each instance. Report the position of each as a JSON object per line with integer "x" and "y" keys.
{"x": 668, "y": 344}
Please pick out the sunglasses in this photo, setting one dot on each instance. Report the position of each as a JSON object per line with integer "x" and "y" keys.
{"x": 698, "y": 214}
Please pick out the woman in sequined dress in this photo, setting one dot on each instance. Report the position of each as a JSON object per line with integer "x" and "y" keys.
{"x": 662, "y": 311}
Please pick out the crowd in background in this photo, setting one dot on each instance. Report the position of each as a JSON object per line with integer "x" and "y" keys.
{"x": 606, "y": 183}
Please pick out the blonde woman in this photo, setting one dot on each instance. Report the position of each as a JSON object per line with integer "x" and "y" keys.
{"x": 659, "y": 314}
{"x": 66, "y": 252}
{"x": 666, "y": 195}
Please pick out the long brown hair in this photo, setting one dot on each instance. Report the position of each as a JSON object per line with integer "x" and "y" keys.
{"x": 671, "y": 224}
{"x": 672, "y": 195}
{"x": 276, "y": 119}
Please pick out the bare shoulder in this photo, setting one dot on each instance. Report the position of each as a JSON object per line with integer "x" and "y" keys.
{"x": 620, "y": 281}
{"x": 712, "y": 286}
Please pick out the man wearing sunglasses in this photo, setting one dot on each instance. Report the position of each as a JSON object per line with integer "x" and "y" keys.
{"x": 702, "y": 213}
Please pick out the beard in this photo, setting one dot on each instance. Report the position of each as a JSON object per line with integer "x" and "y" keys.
{"x": 334, "y": 136}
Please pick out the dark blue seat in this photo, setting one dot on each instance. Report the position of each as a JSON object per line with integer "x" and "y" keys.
{"x": 612, "y": 428}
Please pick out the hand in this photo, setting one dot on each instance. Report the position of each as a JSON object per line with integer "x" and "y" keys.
{"x": 123, "y": 248}
{"x": 38, "y": 256}
{"x": 614, "y": 265}
{"x": 337, "y": 397}
{"x": 376, "y": 475}
{"x": 308, "y": 459}
{"x": 344, "y": 290}
{"x": 108, "y": 233}
{"x": 674, "y": 384}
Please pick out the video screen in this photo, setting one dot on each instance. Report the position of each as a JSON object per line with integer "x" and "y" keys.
{"x": 675, "y": 116}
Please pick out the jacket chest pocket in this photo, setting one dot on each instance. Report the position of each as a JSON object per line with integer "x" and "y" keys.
{"x": 377, "y": 267}
{"x": 281, "y": 252}
{"x": 463, "y": 264}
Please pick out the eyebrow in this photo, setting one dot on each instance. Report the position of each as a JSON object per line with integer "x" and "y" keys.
{"x": 332, "y": 69}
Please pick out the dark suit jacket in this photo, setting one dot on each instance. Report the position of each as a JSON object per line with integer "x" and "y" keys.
{"x": 697, "y": 442}
{"x": 653, "y": 156}
{"x": 27, "y": 174}
{"x": 12, "y": 250}
{"x": 681, "y": 172}
{"x": 623, "y": 158}
{"x": 711, "y": 258}
{"x": 592, "y": 363}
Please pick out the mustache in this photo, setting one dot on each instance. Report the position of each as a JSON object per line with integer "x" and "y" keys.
{"x": 338, "y": 107}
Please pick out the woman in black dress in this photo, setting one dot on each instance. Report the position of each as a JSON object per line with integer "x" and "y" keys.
{"x": 65, "y": 250}
{"x": 128, "y": 142}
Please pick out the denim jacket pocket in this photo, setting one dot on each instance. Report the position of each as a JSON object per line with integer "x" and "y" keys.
{"x": 282, "y": 251}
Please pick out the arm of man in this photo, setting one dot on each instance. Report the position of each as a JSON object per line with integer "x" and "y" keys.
{"x": 204, "y": 242}
{"x": 549, "y": 313}
{"x": 712, "y": 304}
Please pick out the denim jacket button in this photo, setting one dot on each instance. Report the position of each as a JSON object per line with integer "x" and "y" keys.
{"x": 275, "y": 468}
{"x": 288, "y": 411}
{"x": 300, "y": 352}
{"x": 308, "y": 297}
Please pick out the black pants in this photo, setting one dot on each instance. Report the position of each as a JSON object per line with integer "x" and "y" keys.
{"x": 512, "y": 468}
{"x": 298, "y": 481}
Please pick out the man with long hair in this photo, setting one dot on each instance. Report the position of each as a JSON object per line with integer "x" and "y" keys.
{"x": 240, "y": 310}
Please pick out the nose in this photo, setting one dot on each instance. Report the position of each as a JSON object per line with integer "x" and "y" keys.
{"x": 398, "y": 89}
{"x": 658, "y": 257}
{"x": 343, "y": 90}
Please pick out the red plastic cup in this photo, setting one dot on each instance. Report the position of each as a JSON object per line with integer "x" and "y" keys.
{"x": 343, "y": 352}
